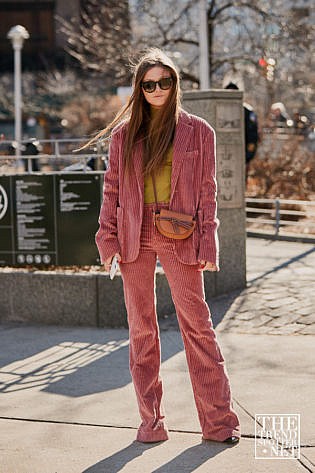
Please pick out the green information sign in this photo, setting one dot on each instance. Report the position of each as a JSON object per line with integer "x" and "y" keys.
{"x": 49, "y": 219}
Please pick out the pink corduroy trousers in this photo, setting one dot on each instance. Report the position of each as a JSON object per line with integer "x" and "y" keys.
{"x": 205, "y": 362}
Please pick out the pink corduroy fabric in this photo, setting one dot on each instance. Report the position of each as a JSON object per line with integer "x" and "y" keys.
{"x": 193, "y": 192}
{"x": 205, "y": 362}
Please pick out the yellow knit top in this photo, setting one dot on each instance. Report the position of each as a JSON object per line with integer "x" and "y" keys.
{"x": 162, "y": 181}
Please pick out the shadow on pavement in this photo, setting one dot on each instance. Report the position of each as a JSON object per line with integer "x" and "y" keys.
{"x": 219, "y": 306}
{"x": 191, "y": 458}
{"x": 187, "y": 461}
{"x": 118, "y": 460}
{"x": 70, "y": 362}
{"x": 282, "y": 266}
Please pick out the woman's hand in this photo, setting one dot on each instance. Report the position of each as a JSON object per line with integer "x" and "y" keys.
{"x": 207, "y": 266}
{"x": 108, "y": 262}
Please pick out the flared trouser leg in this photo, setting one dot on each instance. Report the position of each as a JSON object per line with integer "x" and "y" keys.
{"x": 144, "y": 349}
{"x": 205, "y": 361}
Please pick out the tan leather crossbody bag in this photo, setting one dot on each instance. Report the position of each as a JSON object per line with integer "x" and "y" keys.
{"x": 172, "y": 224}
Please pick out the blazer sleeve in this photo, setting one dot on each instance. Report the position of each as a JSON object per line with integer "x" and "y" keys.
{"x": 209, "y": 243}
{"x": 106, "y": 236}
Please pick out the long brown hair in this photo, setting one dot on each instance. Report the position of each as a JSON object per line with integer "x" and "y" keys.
{"x": 156, "y": 132}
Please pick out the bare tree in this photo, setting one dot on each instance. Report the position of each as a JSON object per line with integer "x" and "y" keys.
{"x": 175, "y": 27}
{"x": 62, "y": 99}
{"x": 240, "y": 33}
{"x": 296, "y": 56}
{"x": 100, "y": 39}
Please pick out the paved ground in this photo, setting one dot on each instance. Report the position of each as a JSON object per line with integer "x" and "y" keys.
{"x": 280, "y": 297}
{"x": 67, "y": 403}
{"x": 280, "y": 294}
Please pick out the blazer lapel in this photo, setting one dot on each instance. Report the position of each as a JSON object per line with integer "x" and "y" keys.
{"x": 137, "y": 162}
{"x": 181, "y": 142}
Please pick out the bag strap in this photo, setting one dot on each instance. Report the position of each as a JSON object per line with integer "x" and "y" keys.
{"x": 154, "y": 190}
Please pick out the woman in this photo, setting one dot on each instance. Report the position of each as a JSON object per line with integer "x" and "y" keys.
{"x": 160, "y": 140}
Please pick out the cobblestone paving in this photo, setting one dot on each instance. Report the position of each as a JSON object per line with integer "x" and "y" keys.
{"x": 280, "y": 294}
{"x": 280, "y": 297}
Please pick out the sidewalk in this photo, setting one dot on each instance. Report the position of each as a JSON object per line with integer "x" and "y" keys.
{"x": 67, "y": 403}
{"x": 280, "y": 297}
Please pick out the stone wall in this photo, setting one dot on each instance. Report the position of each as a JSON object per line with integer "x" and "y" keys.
{"x": 80, "y": 298}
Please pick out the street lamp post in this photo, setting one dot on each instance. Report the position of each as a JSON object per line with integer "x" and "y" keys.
{"x": 203, "y": 46}
{"x": 17, "y": 35}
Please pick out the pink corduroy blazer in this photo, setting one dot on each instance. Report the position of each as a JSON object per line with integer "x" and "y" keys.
{"x": 193, "y": 191}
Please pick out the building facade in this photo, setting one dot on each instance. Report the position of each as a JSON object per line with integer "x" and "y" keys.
{"x": 39, "y": 17}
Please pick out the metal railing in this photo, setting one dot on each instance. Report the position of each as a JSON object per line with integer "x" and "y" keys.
{"x": 57, "y": 154}
{"x": 280, "y": 217}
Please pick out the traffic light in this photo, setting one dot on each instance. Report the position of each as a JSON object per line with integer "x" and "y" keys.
{"x": 262, "y": 62}
{"x": 267, "y": 67}
{"x": 270, "y": 69}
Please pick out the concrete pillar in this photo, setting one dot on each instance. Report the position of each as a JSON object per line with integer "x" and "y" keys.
{"x": 223, "y": 109}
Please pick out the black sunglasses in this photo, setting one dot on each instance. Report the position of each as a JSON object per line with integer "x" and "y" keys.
{"x": 150, "y": 85}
